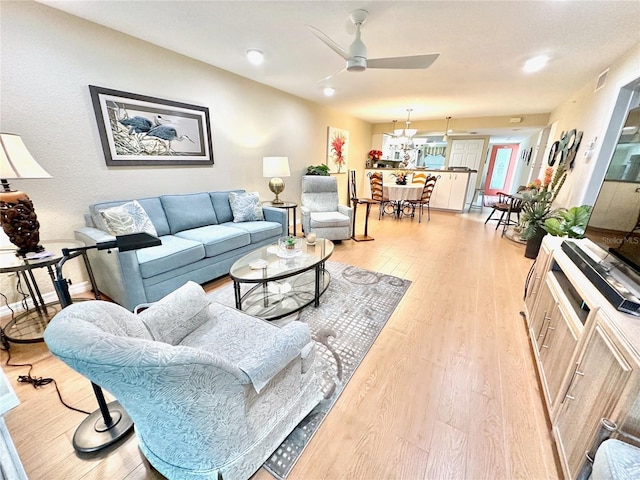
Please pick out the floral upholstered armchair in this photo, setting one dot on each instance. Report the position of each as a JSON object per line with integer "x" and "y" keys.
{"x": 212, "y": 391}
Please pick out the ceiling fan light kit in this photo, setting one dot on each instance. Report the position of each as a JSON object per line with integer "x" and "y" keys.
{"x": 356, "y": 57}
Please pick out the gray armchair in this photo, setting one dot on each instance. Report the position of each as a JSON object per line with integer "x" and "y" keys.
{"x": 321, "y": 213}
{"x": 212, "y": 391}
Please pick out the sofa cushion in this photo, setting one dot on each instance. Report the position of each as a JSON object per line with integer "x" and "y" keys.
{"x": 220, "y": 201}
{"x": 259, "y": 231}
{"x": 174, "y": 253}
{"x": 217, "y": 239}
{"x": 128, "y": 218}
{"x": 246, "y": 207}
{"x": 328, "y": 219}
{"x": 188, "y": 211}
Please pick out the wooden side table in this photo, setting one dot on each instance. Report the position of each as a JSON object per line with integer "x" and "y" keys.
{"x": 288, "y": 206}
{"x": 29, "y": 326}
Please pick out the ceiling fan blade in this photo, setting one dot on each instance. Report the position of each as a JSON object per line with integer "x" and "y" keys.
{"x": 330, "y": 43}
{"x": 333, "y": 75}
{"x": 416, "y": 61}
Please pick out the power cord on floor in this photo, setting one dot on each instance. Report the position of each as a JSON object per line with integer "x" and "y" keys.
{"x": 36, "y": 382}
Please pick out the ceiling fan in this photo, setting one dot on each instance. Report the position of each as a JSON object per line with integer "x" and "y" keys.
{"x": 356, "y": 57}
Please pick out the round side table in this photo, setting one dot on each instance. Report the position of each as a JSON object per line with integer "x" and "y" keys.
{"x": 288, "y": 206}
{"x": 29, "y": 326}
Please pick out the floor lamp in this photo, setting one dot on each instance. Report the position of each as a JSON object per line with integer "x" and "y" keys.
{"x": 110, "y": 422}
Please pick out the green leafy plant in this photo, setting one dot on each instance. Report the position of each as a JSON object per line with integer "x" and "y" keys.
{"x": 571, "y": 223}
{"x": 322, "y": 170}
{"x": 537, "y": 200}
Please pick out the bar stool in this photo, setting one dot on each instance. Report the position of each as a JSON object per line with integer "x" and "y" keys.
{"x": 479, "y": 192}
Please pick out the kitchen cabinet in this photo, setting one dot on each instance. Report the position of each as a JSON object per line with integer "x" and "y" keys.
{"x": 450, "y": 192}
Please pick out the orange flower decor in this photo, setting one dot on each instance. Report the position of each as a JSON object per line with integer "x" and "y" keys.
{"x": 337, "y": 142}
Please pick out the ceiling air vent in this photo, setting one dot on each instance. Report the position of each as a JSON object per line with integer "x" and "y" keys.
{"x": 602, "y": 79}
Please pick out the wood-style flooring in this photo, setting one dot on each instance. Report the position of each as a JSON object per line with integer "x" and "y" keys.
{"x": 448, "y": 390}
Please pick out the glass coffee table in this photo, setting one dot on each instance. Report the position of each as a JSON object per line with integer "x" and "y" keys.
{"x": 280, "y": 283}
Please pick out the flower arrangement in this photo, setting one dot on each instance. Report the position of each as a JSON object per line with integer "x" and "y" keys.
{"x": 337, "y": 142}
{"x": 401, "y": 177}
{"x": 538, "y": 198}
{"x": 374, "y": 155}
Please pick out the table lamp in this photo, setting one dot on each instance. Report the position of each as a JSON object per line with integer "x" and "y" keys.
{"x": 276, "y": 167}
{"x": 17, "y": 215}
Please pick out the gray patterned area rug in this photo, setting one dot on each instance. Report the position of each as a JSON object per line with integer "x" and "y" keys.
{"x": 351, "y": 314}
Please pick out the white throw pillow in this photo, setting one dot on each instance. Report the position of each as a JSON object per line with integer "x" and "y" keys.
{"x": 246, "y": 206}
{"x": 127, "y": 218}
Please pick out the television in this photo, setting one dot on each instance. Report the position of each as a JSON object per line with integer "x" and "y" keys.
{"x": 614, "y": 224}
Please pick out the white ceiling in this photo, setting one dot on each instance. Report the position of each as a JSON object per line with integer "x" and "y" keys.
{"x": 482, "y": 46}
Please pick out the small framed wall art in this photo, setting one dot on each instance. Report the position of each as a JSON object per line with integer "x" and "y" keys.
{"x": 140, "y": 130}
{"x": 337, "y": 150}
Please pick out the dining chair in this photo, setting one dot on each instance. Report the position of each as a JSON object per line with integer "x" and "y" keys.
{"x": 425, "y": 198}
{"x": 419, "y": 178}
{"x": 377, "y": 191}
{"x": 506, "y": 205}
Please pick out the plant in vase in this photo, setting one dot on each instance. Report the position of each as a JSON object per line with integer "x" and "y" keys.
{"x": 537, "y": 200}
{"x": 570, "y": 222}
{"x": 401, "y": 177}
{"x": 374, "y": 155}
{"x": 320, "y": 170}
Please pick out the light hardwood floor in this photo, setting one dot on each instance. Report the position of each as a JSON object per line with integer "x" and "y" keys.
{"x": 448, "y": 391}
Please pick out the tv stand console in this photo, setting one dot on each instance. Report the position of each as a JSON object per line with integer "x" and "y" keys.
{"x": 587, "y": 355}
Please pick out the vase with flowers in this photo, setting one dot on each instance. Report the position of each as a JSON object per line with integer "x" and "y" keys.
{"x": 537, "y": 200}
{"x": 373, "y": 157}
{"x": 401, "y": 177}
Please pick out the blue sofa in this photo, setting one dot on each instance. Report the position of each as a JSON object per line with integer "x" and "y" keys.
{"x": 200, "y": 242}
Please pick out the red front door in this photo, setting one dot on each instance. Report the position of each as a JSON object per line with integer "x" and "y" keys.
{"x": 501, "y": 167}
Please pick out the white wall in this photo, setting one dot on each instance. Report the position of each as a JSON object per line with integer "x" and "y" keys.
{"x": 48, "y": 60}
{"x": 590, "y": 112}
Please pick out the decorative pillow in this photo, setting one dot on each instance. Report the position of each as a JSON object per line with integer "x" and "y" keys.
{"x": 127, "y": 218}
{"x": 245, "y": 206}
{"x": 176, "y": 315}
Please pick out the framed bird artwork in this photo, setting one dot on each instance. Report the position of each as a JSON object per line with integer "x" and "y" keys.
{"x": 140, "y": 130}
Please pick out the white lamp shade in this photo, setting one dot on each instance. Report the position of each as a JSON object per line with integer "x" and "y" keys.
{"x": 275, "y": 167}
{"x": 16, "y": 161}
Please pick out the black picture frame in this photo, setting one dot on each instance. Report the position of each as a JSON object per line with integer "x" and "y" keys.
{"x": 141, "y": 130}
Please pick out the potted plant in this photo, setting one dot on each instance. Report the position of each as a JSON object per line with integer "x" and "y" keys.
{"x": 537, "y": 208}
{"x": 570, "y": 222}
{"x": 321, "y": 170}
{"x": 373, "y": 157}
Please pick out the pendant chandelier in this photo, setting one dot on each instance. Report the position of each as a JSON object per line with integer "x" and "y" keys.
{"x": 445, "y": 137}
{"x": 403, "y": 137}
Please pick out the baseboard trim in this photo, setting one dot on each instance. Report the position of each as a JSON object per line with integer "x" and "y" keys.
{"x": 74, "y": 289}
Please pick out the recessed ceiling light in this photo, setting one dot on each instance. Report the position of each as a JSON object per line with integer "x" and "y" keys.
{"x": 536, "y": 63}
{"x": 256, "y": 57}
{"x": 328, "y": 91}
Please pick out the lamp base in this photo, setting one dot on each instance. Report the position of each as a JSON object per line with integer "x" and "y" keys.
{"x": 19, "y": 221}
{"x": 93, "y": 434}
{"x": 276, "y": 185}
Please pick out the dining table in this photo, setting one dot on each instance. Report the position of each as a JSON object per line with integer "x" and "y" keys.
{"x": 398, "y": 194}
